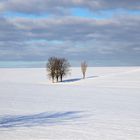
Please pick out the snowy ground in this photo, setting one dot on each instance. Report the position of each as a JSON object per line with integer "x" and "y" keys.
{"x": 104, "y": 106}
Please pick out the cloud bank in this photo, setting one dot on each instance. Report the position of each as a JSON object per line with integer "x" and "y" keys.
{"x": 53, "y": 29}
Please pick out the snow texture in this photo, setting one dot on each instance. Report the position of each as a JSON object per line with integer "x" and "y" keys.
{"x": 104, "y": 106}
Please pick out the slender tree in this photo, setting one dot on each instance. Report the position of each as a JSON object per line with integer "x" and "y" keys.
{"x": 57, "y": 69}
{"x": 51, "y": 68}
{"x": 84, "y": 68}
{"x": 64, "y": 66}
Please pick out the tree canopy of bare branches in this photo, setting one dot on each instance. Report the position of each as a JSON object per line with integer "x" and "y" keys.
{"x": 84, "y": 68}
{"x": 57, "y": 68}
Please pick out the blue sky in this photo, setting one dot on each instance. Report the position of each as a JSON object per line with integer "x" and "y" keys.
{"x": 101, "y": 32}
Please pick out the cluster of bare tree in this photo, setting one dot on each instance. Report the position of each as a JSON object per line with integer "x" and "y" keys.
{"x": 57, "y": 68}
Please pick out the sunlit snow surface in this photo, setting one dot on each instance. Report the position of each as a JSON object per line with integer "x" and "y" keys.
{"x": 104, "y": 106}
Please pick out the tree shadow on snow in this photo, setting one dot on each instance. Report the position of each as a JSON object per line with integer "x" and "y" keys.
{"x": 72, "y": 80}
{"x": 78, "y": 79}
{"x": 90, "y": 77}
{"x": 41, "y": 119}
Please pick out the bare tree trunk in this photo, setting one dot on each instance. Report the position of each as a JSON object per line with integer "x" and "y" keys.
{"x": 84, "y": 75}
{"x": 57, "y": 78}
{"x": 61, "y": 77}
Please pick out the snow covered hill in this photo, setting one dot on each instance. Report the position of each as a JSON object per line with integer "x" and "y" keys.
{"x": 106, "y": 105}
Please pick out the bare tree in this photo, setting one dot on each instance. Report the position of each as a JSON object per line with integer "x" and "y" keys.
{"x": 84, "y": 68}
{"x": 57, "y": 68}
{"x": 64, "y": 66}
{"x": 51, "y": 68}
